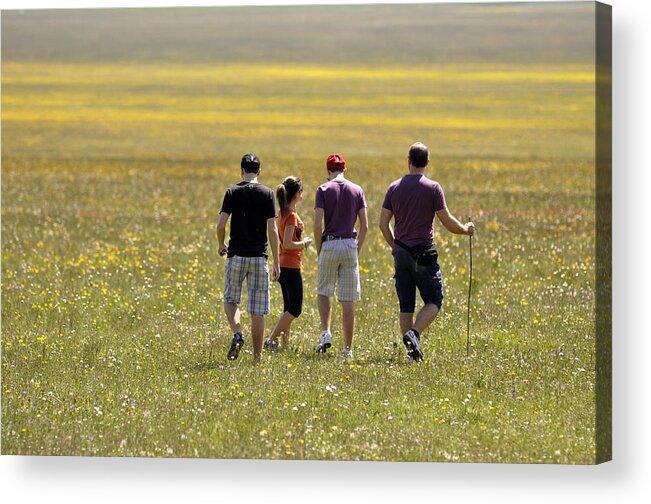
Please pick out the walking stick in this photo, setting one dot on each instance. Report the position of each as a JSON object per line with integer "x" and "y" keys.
{"x": 469, "y": 291}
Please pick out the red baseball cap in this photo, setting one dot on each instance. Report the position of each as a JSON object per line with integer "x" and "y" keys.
{"x": 335, "y": 162}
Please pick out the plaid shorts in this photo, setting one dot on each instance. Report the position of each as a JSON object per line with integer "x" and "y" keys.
{"x": 338, "y": 264}
{"x": 256, "y": 272}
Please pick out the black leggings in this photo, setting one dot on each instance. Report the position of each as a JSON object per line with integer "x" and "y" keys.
{"x": 291, "y": 283}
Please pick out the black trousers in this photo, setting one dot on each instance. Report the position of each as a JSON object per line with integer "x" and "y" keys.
{"x": 291, "y": 283}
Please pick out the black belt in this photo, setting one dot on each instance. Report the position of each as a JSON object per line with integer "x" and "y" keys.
{"x": 327, "y": 238}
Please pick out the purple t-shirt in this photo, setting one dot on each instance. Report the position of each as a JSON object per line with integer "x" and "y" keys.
{"x": 414, "y": 199}
{"x": 341, "y": 201}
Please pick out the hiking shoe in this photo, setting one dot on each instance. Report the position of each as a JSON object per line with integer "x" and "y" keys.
{"x": 412, "y": 342}
{"x": 347, "y": 353}
{"x": 325, "y": 342}
{"x": 270, "y": 345}
{"x": 236, "y": 344}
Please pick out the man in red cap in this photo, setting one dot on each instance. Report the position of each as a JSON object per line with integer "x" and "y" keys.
{"x": 339, "y": 203}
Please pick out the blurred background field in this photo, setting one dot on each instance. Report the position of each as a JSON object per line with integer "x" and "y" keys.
{"x": 122, "y": 128}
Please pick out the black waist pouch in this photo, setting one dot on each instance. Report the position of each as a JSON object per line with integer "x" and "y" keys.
{"x": 424, "y": 255}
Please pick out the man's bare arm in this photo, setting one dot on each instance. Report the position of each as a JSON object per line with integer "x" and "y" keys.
{"x": 221, "y": 233}
{"x": 453, "y": 225}
{"x": 363, "y": 228}
{"x": 272, "y": 234}
{"x": 385, "y": 219}
{"x": 318, "y": 228}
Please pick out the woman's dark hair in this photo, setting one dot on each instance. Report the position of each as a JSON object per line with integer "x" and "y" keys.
{"x": 286, "y": 191}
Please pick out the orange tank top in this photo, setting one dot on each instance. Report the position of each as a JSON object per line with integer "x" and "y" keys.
{"x": 290, "y": 258}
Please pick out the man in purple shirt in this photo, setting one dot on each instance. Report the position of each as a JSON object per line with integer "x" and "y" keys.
{"x": 339, "y": 203}
{"x": 413, "y": 201}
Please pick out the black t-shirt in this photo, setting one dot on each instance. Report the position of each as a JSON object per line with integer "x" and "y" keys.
{"x": 249, "y": 205}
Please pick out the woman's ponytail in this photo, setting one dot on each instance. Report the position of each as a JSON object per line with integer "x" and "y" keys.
{"x": 281, "y": 195}
{"x": 287, "y": 190}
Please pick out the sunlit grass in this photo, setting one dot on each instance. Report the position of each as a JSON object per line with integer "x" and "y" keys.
{"x": 297, "y": 120}
{"x": 80, "y": 74}
{"x": 113, "y": 334}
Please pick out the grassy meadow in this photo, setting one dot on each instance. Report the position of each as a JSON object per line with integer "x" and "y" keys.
{"x": 114, "y": 339}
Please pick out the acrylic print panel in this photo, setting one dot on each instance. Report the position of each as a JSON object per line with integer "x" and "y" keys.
{"x": 122, "y": 129}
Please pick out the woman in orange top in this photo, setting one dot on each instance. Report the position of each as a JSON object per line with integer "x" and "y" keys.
{"x": 292, "y": 242}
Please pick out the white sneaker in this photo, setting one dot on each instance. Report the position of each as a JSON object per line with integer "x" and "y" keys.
{"x": 325, "y": 342}
{"x": 412, "y": 342}
{"x": 347, "y": 353}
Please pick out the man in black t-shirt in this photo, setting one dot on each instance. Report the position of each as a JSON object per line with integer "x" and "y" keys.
{"x": 254, "y": 219}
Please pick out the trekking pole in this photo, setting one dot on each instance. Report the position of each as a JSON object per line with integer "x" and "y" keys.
{"x": 469, "y": 291}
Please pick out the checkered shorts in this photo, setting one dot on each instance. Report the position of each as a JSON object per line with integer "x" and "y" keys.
{"x": 338, "y": 264}
{"x": 256, "y": 272}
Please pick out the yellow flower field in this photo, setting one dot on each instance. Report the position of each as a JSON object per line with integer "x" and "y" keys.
{"x": 114, "y": 339}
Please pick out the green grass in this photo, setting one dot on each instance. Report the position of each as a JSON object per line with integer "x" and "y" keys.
{"x": 113, "y": 334}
